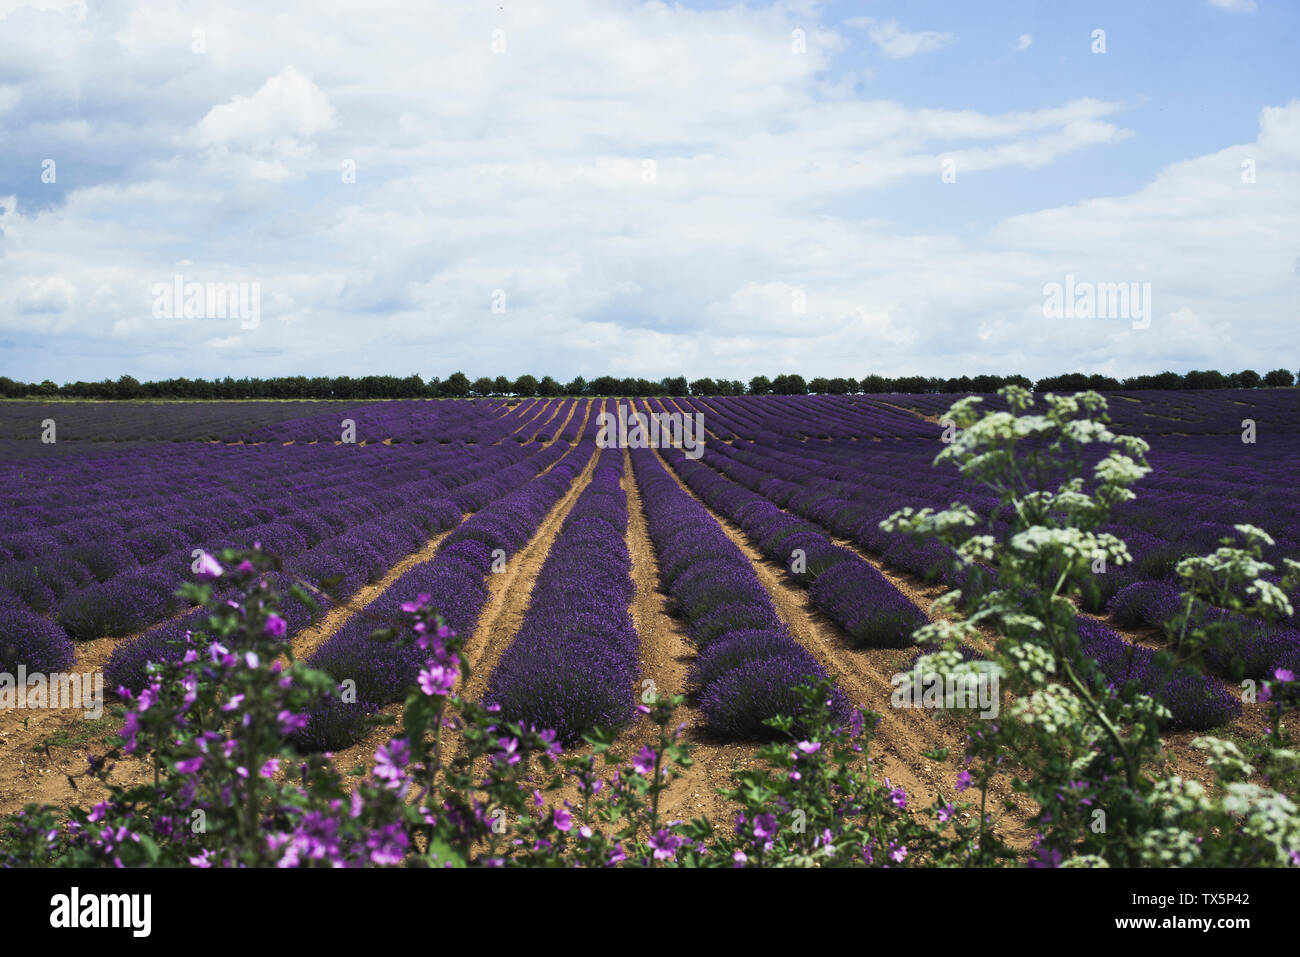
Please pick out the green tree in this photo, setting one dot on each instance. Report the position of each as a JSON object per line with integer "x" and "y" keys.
{"x": 790, "y": 384}
{"x": 457, "y": 385}
{"x": 704, "y": 387}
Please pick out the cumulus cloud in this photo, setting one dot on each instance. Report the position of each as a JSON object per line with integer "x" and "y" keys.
{"x": 53, "y": 294}
{"x": 288, "y": 107}
{"x": 1025, "y": 41}
{"x": 898, "y": 43}
{"x": 647, "y": 187}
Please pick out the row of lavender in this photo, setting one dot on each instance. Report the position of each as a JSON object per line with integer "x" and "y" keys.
{"x": 850, "y": 591}
{"x": 430, "y": 421}
{"x": 574, "y": 663}
{"x": 330, "y": 512}
{"x": 455, "y": 580}
{"x": 747, "y": 664}
{"x": 1167, "y": 522}
{"x": 791, "y": 478}
{"x": 481, "y": 421}
{"x": 116, "y": 571}
{"x": 1140, "y": 593}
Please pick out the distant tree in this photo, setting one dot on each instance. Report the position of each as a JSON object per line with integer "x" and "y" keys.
{"x": 760, "y": 385}
{"x": 1205, "y": 380}
{"x": 526, "y": 385}
{"x": 1248, "y": 379}
{"x": 548, "y": 387}
{"x": 501, "y": 385}
{"x": 873, "y": 384}
{"x": 674, "y": 385}
{"x": 1102, "y": 383}
{"x": 481, "y": 386}
{"x": 577, "y": 387}
{"x": 790, "y": 384}
{"x": 704, "y": 387}
{"x": 1279, "y": 378}
{"x": 457, "y": 385}
{"x": 1069, "y": 382}
{"x": 47, "y": 388}
{"x": 128, "y": 388}
{"x": 605, "y": 385}
{"x": 911, "y": 384}
{"x": 819, "y": 385}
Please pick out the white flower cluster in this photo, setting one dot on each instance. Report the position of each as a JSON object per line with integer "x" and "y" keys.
{"x": 1267, "y": 815}
{"x": 1269, "y": 598}
{"x": 1118, "y": 469}
{"x": 945, "y": 632}
{"x": 1074, "y": 546}
{"x": 1052, "y": 708}
{"x": 1033, "y": 661}
{"x": 1170, "y": 847}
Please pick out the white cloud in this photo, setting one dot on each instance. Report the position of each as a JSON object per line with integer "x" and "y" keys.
{"x": 286, "y": 108}
{"x": 1026, "y": 39}
{"x": 897, "y": 43}
{"x": 1234, "y": 6}
{"x": 53, "y": 294}
{"x": 524, "y": 172}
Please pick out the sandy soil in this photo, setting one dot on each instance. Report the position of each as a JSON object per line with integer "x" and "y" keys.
{"x": 41, "y": 750}
{"x": 864, "y": 675}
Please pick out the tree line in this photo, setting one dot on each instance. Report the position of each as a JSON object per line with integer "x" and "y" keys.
{"x": 459, "y": 385}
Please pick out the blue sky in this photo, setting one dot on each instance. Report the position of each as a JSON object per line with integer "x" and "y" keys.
{"x": 647, "y": 189}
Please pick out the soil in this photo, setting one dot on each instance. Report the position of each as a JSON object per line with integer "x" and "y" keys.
{"x": 903, "y": 734}
{"x": 42, "y": 752}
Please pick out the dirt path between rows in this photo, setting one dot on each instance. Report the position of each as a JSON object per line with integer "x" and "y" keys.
{"x": 39, "y": 748}
{"x": 1182, "y": 759}
{"x": 864, "y": 675}
{"x": 309, "y": 639}
{"x": 666, "y": 657}
{"x": 511, "y": 591}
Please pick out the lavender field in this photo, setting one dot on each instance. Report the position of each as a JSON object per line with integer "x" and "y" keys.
{"x": 100, "y": 527}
